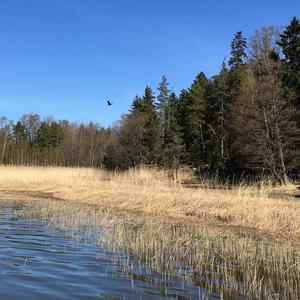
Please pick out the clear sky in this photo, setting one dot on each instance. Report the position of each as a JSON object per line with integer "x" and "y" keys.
{"x": 65, "y": 58}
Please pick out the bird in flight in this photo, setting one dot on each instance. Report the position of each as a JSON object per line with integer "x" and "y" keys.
{"x": 109, "y": 103}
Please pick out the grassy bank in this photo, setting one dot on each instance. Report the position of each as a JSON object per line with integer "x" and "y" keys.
{"x": 150, "y": 192}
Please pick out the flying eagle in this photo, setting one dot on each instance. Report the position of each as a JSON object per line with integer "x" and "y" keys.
{"x": 109, "y": 103}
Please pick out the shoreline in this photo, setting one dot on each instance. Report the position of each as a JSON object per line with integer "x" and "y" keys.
{"x": 25, "y": 195}
{"x": 149, "y": 192}
{"x": 251, "y": 266}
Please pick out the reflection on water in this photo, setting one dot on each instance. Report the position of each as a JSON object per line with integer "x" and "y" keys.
{"x": 38, "y": 261}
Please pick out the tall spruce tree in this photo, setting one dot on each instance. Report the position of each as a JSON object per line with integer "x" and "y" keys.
{"x": 162, "y": 99}
{"x": 237, "y": 74}
{"x": 192, "y": 109}
{"x": 290, "y": 44}
{"x": 237, "y": 65}
{"x": 217, "y": 119}
{"x": 238, "y": 51}
{"x": 151, "y": 136}
{"x": 173, "y": 148}
{"x": 137, "y": 104}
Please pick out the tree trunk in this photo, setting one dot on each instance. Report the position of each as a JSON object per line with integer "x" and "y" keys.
{"x": 271, "y": 159}
{"x": 281, "y": 155}
{"x": 3, "y": 149}
{"x": 222, "y": 128}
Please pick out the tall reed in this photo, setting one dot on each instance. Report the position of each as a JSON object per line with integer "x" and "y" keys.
{"x": 152, "y": 192}
{"x": 221, "y": 261}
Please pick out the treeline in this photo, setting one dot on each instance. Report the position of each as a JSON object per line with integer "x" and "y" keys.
{"x": 32, "y": 141}
{"x": 244, "y": 120}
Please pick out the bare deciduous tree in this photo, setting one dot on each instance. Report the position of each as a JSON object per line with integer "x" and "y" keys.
{"x": 265, "y": 121}
{"x": 263, "y": 42}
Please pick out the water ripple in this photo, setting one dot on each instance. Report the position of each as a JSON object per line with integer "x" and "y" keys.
{"x": 38, "y": 261}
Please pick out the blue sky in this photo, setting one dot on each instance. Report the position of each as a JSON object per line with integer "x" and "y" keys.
{"x": 65, "y": 58}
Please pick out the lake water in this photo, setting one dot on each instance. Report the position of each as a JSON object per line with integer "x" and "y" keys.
{"x": 38, "y": 261}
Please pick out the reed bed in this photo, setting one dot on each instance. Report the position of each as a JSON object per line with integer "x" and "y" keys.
{"x": 150, "y": 192}
{"x": 226, "y": 263}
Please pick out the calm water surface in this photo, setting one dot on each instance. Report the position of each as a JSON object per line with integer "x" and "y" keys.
{"x": 38, "y": 261}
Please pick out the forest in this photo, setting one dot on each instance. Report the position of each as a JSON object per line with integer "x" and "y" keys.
{"x": 243, "y": 121}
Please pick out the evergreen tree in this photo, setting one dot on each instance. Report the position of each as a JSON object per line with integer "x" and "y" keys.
{"x": 32, "y": 122}
{"x": 20, "y": 133}
{"x": 49, "y": 135}
{"x": 236, "y": 77}
{"x": 192, "y": 108}
{"x": 173, "y": 144}
{"x": 151, "y": 136}
{"x": 183, "y": 103}
{"x": 56, "y": 135}
{"x": 137, "y": 104}
{"x": 217, "y": 119}
{"x": 162, "y": 100}
{"x": 290, "y": 44}
{"x": 238, "y": 51}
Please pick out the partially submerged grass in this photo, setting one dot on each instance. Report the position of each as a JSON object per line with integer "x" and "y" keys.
{"x": 221, "y": 261}
{"x": 151, "y": 192}
{"x": 164, "y": 225}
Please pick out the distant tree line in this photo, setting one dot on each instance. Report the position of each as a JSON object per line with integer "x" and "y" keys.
{"x": 244, "y": 120}
{"x": 32, "y": 141}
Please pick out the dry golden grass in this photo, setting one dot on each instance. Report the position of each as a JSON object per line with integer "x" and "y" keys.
{"x": 152, "y": 192}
